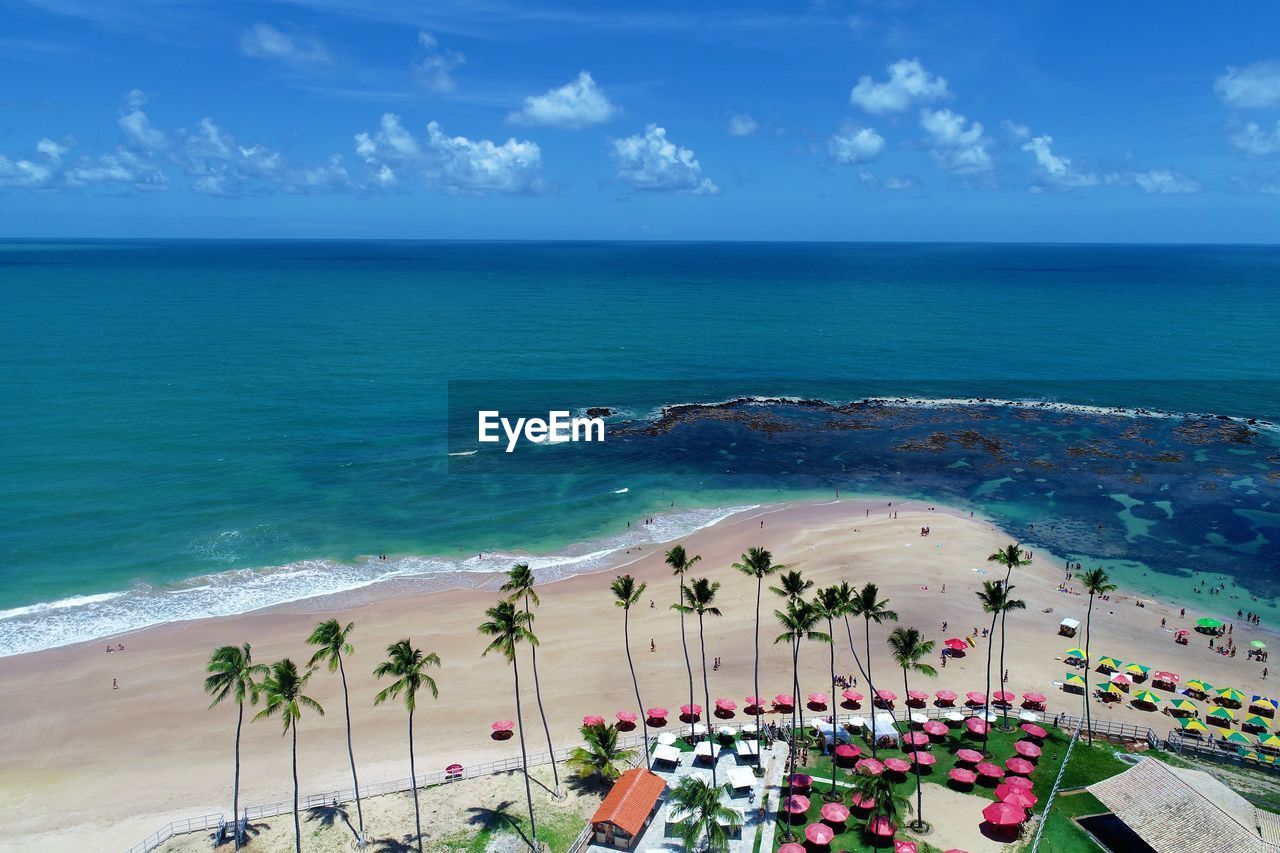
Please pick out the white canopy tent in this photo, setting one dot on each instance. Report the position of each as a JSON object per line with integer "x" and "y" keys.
{"x": 882, "y": 726}
{"x": 741, "y": 777}
{"x": 707, "y": 749}
{"x": 666, "y": 752}
{"x": 748, "y": 749}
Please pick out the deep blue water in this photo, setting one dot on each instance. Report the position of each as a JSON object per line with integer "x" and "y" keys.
{"x": 204, "y": 427}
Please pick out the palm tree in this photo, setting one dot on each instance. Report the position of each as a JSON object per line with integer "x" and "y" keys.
{"x": 681, "y": 562}
{"x": 867, "y": 604}
{"x": 846, "y": 596}
{"x": 231, "y": 673}
{"x": 797, "y": 622}
{"x": 1096, "y": 582}
{"x": 408, "y": 666}
{"x": 699, "y": 813}
{"x": 701, "y": 595}
{"x": 1010, "y": 556}
{"x": 758, "y": 563}
{"x": 995, "y": 598}
{"x": 890, "y": 804}
{"x": 909, "y": 647}
{"x": 331, "y": 637}
{"x": 599, "y": 756}
{"x": 830, "y": 605}
{"x": 520, "y": 584}
{"x": 510, "y": 627}
{"x": 282, "y": 691}
{"x": 792, "y": 586}
{"x": 625, "y": 594}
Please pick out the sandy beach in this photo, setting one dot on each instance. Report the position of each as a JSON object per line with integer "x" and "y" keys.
{"x": 86, "y": 766}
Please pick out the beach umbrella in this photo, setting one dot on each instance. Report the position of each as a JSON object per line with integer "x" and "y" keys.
{"x": 1026, "y": 749}
{"x": 1121, "y": 679}
{"x": 785, "y": 700}
{"x": 593, "y": 720}
{"x": 1186, "y": 706}
{"x": 1198, "y": 685}
{"x": 947, "y": 696}
{"x": 1111, "y": 690}
{"x": 1034, "y": 731}
{"x": 756, "y": 701}
{"x": 1223, "y": 714}
{"x": 953, "y": 717}
{"x": 690, "y": 710}
{"x": 1230, "y": 694}
{"x": 847, "y": 752}
{"x": 1076, "y": 654}
{"x": 1137, "y": 670}
{"x": 1034, "y": 698}
{"x": 991, "y": 771}
{"x": 916, "y": 739}
{"x": 976, "y": 698}
{"x": 1029, "y": 716}
{"x": 667, "y": 738}
{"x": 1270, "y": 741}
{"x": 1072, "y": 679}
{"x": 1237, "y": 738}
{"x": 900, "y": 846}
{"x": 1189, "y": 725}
{"x": 1020, "y": 766}
{"x": 1160, "y": 676}
{"x": 961, "y": 776}
{"x": 626, "y": 717}
{"x": 792, "y": 848}
{"x": 897, "y": 765}
{"x": 1002, "y": 696}
{"x": 1018, "y": 782}
{"x": 726, "y": 705}
{"x": 835, "y": 812}
{"x": 969, "y": 756}
{"x": 819, "y": 699}
{"x": 1256, "y": 722}
{"x": 1107, "y": 662}
{"x": 1208, "y": 622}
{"x": 886, "y": 695}
{"x": 800, "y": 781}
{"x": 869, "y": 767}
{"x": 503, "y": 726}
{"x": 749, "y": 728}
{"x": 852, "y": 696}
{"x": 725, "y": 731}
{"x": 881, "y": 827}
{"x": 918, "y": 717}
{"x": 1004, "y": 814}
{"x": 924, "y": 759}
{"x": 699, "y": 728}
{"x": 956, "y": 644}
{"x": 657, "y": 713}
{"x": 1019, "y": 796}
{"x": 1257, "y": 644}
{"x": 989, "y": 716}
{"x": 1146, "y": 696}
{"x": 819, "y": 833}
{"x": 917, "y": 696}
{"x": 861, "y": 802}
{"x": 795, "y": 804}
{"x": 857, "y": 722}
{"x": 937, "y": 728}
{"x": 975, "y": 726}
{"x": 1264, "y": 702}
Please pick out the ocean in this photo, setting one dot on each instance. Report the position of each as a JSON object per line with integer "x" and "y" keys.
{"x": 196, "y": 428}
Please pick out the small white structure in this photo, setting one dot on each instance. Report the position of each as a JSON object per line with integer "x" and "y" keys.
{"x": 706, "y": 749}
{"x": 667, "y": 738}
{"x": 830, "y": 733}
{"x": 1029, "y": 717}
{"x": 748, "y": 749}
{"x": 741, "y": 777}
{"x": 882, "y": 727}
{"x": 1068, "y": 627}
{"x": 666, "y": 752}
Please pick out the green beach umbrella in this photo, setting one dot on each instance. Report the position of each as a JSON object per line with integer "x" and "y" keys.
{"x": 1258, "y": 644}
{"x": 1190, "y": 725}
{"x": 1250, "y": 754}
{"x": 1183, "y": 705}
{"x": 1073, "y": 680}
{"x": 1223, "y": 714}
{"x": 1197, "y": 685}
{"x": 1110, "y": 663}
{"x": 1270, "y": 741}
{"x": 1136, "y": 669}
{"x": 1206, "y": 622}
{"x": 1257, "y": 722}
{"x": 1230, "y": 694}
{"x": 1148, "y": 697}
{"x": 1236, "y": 737}
{"x": 1076, "y": 654}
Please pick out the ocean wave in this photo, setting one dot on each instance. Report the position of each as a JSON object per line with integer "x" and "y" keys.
{"x": 80, "y": 619}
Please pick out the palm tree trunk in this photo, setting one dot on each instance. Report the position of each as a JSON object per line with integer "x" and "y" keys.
{"x": 413, "y": 783}
{"x": 687, "y": 664}
{"x": 706, "y": 695}
{"x": 1088, "y": 711}
{"x": 906, "y": 688}
{"x": 626, "y": 639}
{"x": 1004, "y": 614}
{"x": 235, "y": 787}
{"x": 795, "y": 702}
{"x": 834, "y": 728}
{"x": 798, "y": 706}
{"x": 346, "y": 702}
{"x": 848, "y": 629}
{"x": 297, "y": 824}
{"x": 871, "y": 688}
{"x": 537, "y": 692}
{"x": 756, "y": 680}
{"x": 524, "y": 757}
{"x": 986, "y": 732}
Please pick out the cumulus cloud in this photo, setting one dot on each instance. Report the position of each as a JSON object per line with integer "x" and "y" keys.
{"x": 434, "y": 67}
{"x": 263, "y": 41}
{"x": 27, "y": 174}
{"x": 451, "y": 163}
{"x": 1255, "y": 141}
{"x": 1056, "y": 169}
{"x": 961, "y": 150}
{"x": 1256, "y": 85}
{"x": 223, "y": 167}
{"x": 649, "y": 161}
{"x": 121, "y": 168}
{"x": 137, "y": 127}
{"x": 1017, "y": 132}
{"x": 873, "y": 181}
{"x": 1156, "y": 182}
{"x": 909, "y": 82}
{"x": 742, "y": 124}
{"x": 579, "y": 103}
{"x": 855, "y": 145}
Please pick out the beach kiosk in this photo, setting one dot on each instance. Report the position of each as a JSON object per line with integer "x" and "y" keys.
{"x": 628, "y": 808}
{"x": 1068, "y": 627}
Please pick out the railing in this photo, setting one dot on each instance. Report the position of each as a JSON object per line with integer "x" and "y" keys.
{"x": 1124, "y": 731}
{"x": 177, "y": 827}
{"x": 1218, "y": 752}
{"x": 1057, "y": 783}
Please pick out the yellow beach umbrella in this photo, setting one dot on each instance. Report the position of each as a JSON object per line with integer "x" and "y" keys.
{"x": 1236, "y": 737}
{"x": 1076, "y": 654}
{"x": 1223, "y": 714}
{"x": 1073, "y": 680}
{"x": 1110, "y": 663}
{"x": 1197, "y": 685}
{"x": 1257, "y": 722}
{"x": 1112, "y": 690}
{"x": 1189, "y": 725}
{"x": 1136, "y": 669}
{"x": 1183, "y": 705}
{"x": 1270, "y": 742}
{"x": 1148, "y": 697}
{"x": 1230, "y": 694}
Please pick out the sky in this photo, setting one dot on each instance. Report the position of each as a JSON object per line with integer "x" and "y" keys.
{"x": 876, "y": 120}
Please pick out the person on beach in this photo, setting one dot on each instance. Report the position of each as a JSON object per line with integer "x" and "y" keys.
{"x": 653, "y": 647}
{"x": 115, "y": 685}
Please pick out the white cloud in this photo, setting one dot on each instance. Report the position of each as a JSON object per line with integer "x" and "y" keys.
{"x": 1253, "y": 140}
{"x": 27, "y": 174}
{"x": 1017, "y": 132}
{"x": 434, "y": 67}
{"x": 875, "y": 182}
{"x": 578, "y": 103}
{"x": 329, "y": 178}
{"x": 955, "y": 148}
{"x": 391, "y": 142}
{"x": 137, "y": 127}
{"x": 1256, "y": 85}
{"x": 52, "y": 150}
{"x": 908, "y": 83}
{"x": 1156, "y": 182}
{"x": 649, "y": 161}
{"x": 263, "y": 41}
{"x": 223, "y": 167}
{"x": 120, "y": 168}
{"x": 855, "y": 145}
{"x": 1057, "y": 169}
{"x": 742, "y": 124}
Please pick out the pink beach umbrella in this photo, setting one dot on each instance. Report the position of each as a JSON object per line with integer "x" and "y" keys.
{"x": 1034, "y": 698}
{"x": 852, "y": 696}
{"x": 886, "y": 695}
{"x": 973, "y": 697}
{"x": 800, "y": 782}
{"x": 657, "y": 713}
{"x": 725, "y": 706}
{"x": 989, "y": 770}
{"x": 917, "y": 696}
{"x": 793, "y": 847}
{"x": 1018, "y": 796}
{"x": 916, "y": 739}
{"x": 1003, "y": 696}
{"x": 945, "y": 697}
{"x": 861, "y": 802}
{"x": 626, "y": 717}
{"x": 869, "y": 767}
{"x": 968, "y": 756}
{"x": 819, "y": 833}
{"x": 756, "y": 701}
{"x": 962, "y": 777}
{"x": 1034, "y": 731}
{"x": 593, "y": 720}
{"x": 1020, "y": 766}
{"x": 924, "y": 759}
{"x": 503, "y": 726}
{"x": 784, "y": 700}
{"x": 976, "y": 725}
{"x": 835, "y": 813}
{"x": 1027, "y": 749}
{"x": 900, "y": 846}
{"x": 1018, "y": 782}
{"x": 881, "y": 828}
{"x": 1004, "y": 814}
{"x": 897, "y": 765}
{"x": 936, "y": 728}
{"x": 796, "y": 804}
{"x": 847, "y": 752}
{"x": 690, "y": 710}
{"x": 819, "y": 699}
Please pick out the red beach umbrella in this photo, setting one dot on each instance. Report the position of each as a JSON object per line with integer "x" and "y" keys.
{"x": 799, "y": 781}
{"x": 756, "y": 701}
{"x": 916, "y": 738}
{"x": 852, "y": 696}
{"x": 947, "y": 696}
{"x": 900, "y": 846}
{"x": 593, "y": 720}
{"x": 691, "y": 710}
{"x": 503, "y": 726}
{"x": 1004, "y": 814}
{"x": 897, "y": 765}
{"x": 726, "y": 705}
{"x": 1035, "y": 731}
{"x": 956, "y": 644}
{"x": 869, "y": 767}
{"x": 792, "y": 848}
{"x": 626, "y": 717}
{"x": 835, "y": 813}
{"x": 976, "y": 725}
{"x": 881, "y": 827}
{"x": 1026, "y": 749}
{"x": 847, "y": 751}
{"x": 860, "y": 802}
{"x": 657, "y": 713}
{"x": 1020, "y": 797}
{"x": 1002, "y": 696}
{"x": 917, "y": 695}
{"x": 886, "y": 695}
{"x": 784, "y": 699}
{"x": 819, "y": 699}
{"x": 1034, "y": 698}
{"x": 1020, "y": 766}
{"x": 924, "y": 759}
{"x": 819, "y": 833}
{"x": 937, "y": 728}
{"x": 1018, "y": 782}
{"x": 991, "y": 771}
{"x": 961, "y": 776}
{"x": 969, "y": 756}
{"x": 1166, "y": 677}
{"x": 976, "y": 698}
{"x": 796, "y": 804}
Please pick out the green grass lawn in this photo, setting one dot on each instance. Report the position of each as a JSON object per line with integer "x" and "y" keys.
{"x": 1061, "y": 832}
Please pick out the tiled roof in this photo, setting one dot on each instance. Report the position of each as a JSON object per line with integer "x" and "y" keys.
{"x": 630, "y": 801}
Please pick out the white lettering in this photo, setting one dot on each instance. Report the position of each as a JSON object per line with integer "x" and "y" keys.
{"x": 557, "y": 428}
{"x": 512, "y": 434}
{"x": 488, "y": 424}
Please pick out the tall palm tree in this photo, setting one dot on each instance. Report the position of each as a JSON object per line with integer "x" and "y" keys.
{"x": 701, "y": 595}
{"x": 408, "y": 666}
{"x": 510, "y": 627}
{"x": 846, "y": 595}
{"x": 996, "y": 598}
{"x": 331, "y": 637}
{"x": 282, "y": 693}
{"x": 699, "y": 813}
{"x": 830, "y": 605}
{"x": 626, "y": 593}
{"x": 1010, "y": 556}
{"x": 232, "y": 673}
{"x": 909, "y": 648}
{"x": 792, "y": 586}
{"x": 600, "y": 756}
{"x": 890, "y": 803}
{"x": 1096, "y": 582}
{"x": 758, "y": 563}
{"x": 797, "y": 622}
{"x": 520, "y": 581}
{"x": 680, "y": 562}
{"x": 868, "y": 604}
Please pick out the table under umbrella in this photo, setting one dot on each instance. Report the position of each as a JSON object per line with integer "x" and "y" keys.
{"x": 1004, "y": 814}
{"x": 961, "y": 776}
{"x": 819, "y": 833}
{"x": 869, "y": 767}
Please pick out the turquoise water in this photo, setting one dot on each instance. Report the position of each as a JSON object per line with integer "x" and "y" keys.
{"x": 202, "y": 427}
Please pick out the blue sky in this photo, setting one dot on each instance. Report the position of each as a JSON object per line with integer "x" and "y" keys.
{"x": 825, "y": 120}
